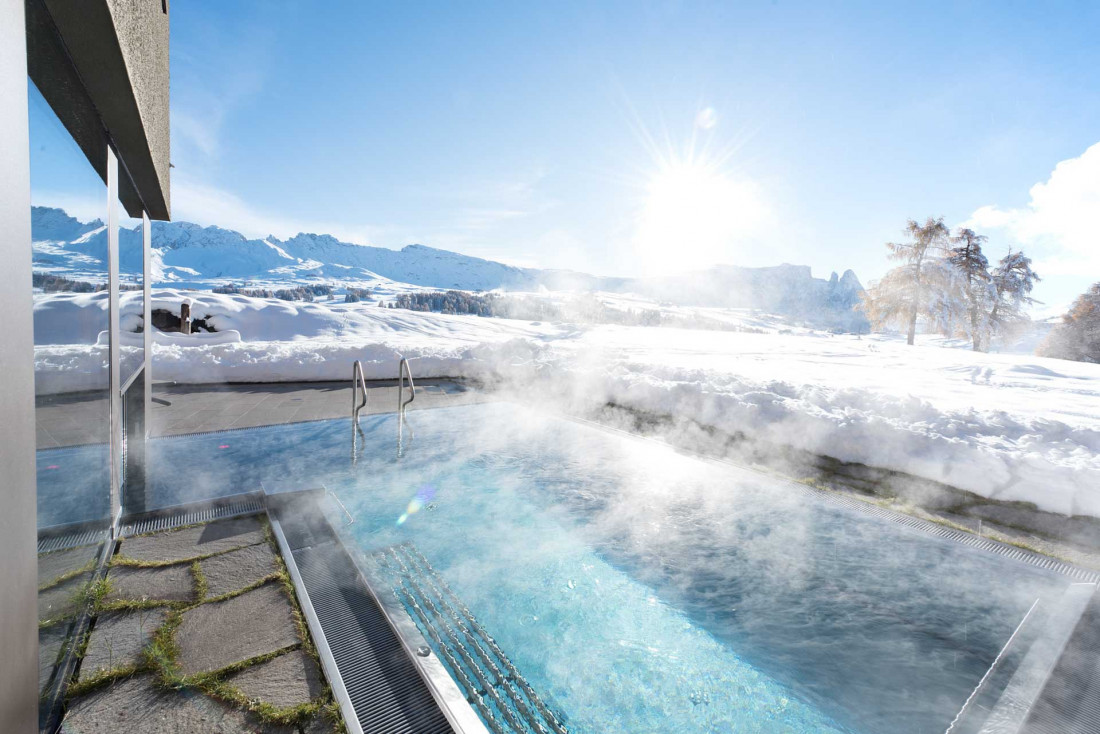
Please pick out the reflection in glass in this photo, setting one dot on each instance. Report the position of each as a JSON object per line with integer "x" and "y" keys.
{"x": 131, "y": 284}
{"x": 71, "y": 365}
{"x": 69, "y": 242}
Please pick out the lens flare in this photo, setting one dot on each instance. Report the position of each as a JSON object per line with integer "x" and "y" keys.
{"x": 423, "y": 496}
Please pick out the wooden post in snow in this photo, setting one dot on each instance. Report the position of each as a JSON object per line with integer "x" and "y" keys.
{"x": 185, "y": 317}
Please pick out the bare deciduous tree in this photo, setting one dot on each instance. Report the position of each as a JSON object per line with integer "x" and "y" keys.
{"x": 901, "y": 296}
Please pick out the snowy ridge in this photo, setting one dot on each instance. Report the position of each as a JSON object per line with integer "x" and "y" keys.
{"x": 189, "y": 255}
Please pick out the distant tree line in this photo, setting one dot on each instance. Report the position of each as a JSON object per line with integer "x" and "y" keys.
{"x": 947, "y": 280}
{"x": 355, "y": 295}
{"x": 301, "y": 293}
{"x": 57, "y": 284}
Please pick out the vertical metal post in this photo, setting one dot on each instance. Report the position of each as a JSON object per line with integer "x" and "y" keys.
{"x": 147, "y": 317}
{"x": 114, "y": 333}
{"x": 18, "y": 572}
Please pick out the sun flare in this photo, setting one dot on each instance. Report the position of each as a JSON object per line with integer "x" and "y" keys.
{"x": 693, "y": 215}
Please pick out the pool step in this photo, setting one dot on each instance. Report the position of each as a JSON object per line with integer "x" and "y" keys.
{"x": 491, "y": 682}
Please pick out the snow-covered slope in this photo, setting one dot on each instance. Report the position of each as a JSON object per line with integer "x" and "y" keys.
{"x": 1013, "y": 427}
{"x": 192, "y": 256}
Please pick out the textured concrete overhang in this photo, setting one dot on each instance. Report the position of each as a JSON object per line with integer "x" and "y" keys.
{"x": 103, "y": 67}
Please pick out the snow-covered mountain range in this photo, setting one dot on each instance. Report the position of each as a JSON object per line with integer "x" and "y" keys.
{"x": 192, "y": 256}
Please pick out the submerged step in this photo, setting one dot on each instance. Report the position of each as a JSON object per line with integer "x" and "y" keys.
{"x": 499, "y": 692}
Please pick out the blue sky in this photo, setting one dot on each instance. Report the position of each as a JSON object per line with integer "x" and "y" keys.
{"x": 634, "y": 137}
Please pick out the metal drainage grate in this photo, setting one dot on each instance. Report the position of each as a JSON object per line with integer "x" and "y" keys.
{"x": 192, "y": 517}
{"x": 491, "y": 682}
{"x": 916, "y": 523}
{"x": 975, "y": 541}
{"x": 71, "y": 540}
{"x": 384, "y": 688}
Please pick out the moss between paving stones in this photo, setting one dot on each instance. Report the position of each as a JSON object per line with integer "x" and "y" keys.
{"x": 286, "y": 681}
{"x": 117, "y": 641}
{"x": 230, "y": 571}
{"x": 200, "y": 581}
{"x": 139, "y": 705}
{"x": 160, "y": 656}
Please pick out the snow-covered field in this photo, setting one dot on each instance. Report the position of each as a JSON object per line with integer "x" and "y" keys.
{"x": 1009, "y": 426}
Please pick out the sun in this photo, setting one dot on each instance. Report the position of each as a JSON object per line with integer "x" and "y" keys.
{"x": 693, "y": 215}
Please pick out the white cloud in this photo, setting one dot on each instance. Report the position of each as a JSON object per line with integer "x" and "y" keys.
{"x": 208, "y": 205}
{"x": 1061, "y": 223}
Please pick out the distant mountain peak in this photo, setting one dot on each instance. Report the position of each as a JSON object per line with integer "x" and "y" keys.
{"x": 52, "y": 224}
{"x": 192, "y": 255}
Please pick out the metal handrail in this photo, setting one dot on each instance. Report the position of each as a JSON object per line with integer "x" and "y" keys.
{"x": 403, "y": 371}
{"x": 350, "y": 517}
{"x": 357, "y": 381}
{"x": 988, "y": 673}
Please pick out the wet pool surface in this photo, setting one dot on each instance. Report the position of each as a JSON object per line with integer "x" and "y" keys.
{"x": 645, "y": 591}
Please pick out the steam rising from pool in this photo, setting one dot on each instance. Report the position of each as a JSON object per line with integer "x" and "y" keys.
{"x": 643, "y": 590}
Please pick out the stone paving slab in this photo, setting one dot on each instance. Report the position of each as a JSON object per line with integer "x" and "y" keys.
{"x": 118, "y": 639}
{"x": 288, "y": 680}
{"x": 61, "y": 600}
{"x": 238, "y": 569}
{"x": 54, "y": 565}
{"x": 136, "y": 706}
{"x": 201, "y": 540}
{"x": 320, "y": 724}
{"x": 168, "y": 583}
{"x": 51, "y": 640}
{"x": 214, "y": 635}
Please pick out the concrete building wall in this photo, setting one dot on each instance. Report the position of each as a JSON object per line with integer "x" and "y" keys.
{"x": 18, "y": 535}
{"x": 118, "y": 49}
{"x": 142, "y": 29}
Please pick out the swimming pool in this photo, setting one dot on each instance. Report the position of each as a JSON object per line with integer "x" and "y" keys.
{"x": 640, "y": 590}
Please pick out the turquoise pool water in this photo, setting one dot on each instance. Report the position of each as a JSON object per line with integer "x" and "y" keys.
{"x": 639, "y": 590}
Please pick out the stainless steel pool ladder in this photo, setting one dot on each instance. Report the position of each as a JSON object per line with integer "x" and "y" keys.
{"x": 357, "y": 381}
{"x": 403, "y": 371}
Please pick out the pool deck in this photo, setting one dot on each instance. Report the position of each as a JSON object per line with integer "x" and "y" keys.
{"x": 174, "y": 645}
{"x": 179, "y": 409}
{"x": 80, "y": 418}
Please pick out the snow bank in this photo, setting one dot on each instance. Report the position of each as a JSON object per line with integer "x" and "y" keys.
{"x": 1011, "y": 427}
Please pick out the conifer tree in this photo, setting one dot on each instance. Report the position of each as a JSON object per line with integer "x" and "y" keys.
{"x": 1012, "y": 282}
{"x": 973, "y": 268}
